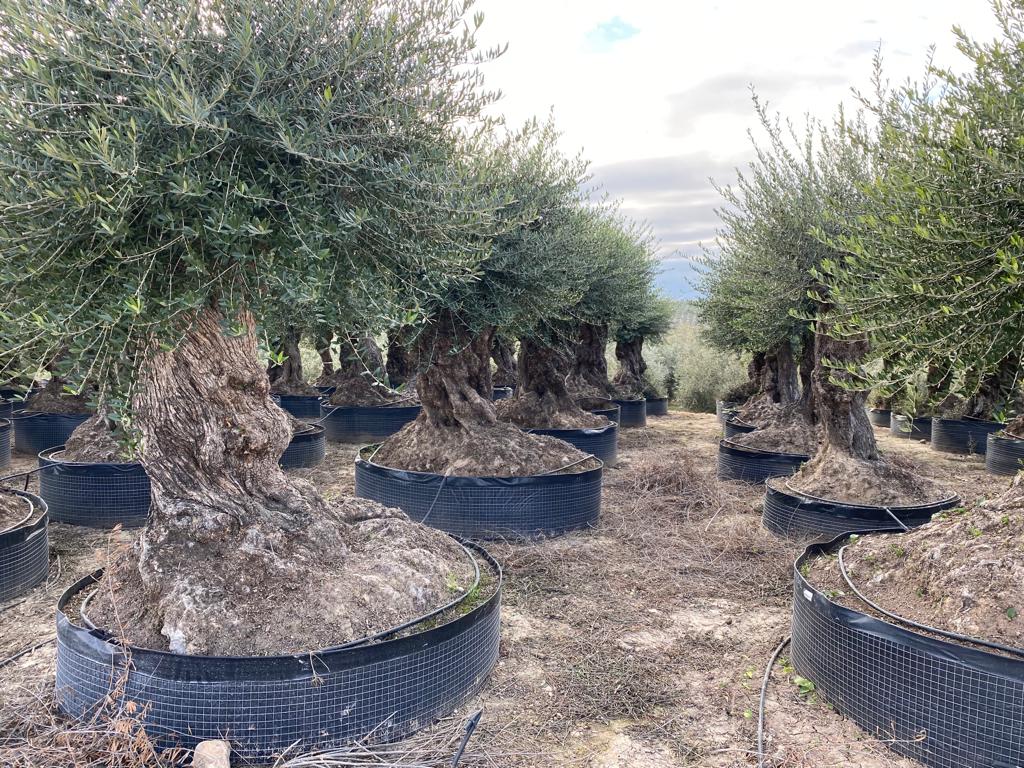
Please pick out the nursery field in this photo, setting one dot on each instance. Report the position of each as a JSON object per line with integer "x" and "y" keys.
{"x": 641, "y": 642}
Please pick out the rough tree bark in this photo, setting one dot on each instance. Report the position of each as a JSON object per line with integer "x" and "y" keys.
{"x": 458, "y": 431}
{"x": 503, "y": 353}
{"x": 286, "y": 377}
{"x": 323, "y": 348}
{"x": 356, "y": 378}
{"x": 787, "y": 378}
{"x": 588, "y": 375}
{"x": 542, "y": 400}
{"x": 239, "y": 558}
{"x": 806, "y": 404}
{"x": 401, "y": 363}
{"x": 631, "y": 378}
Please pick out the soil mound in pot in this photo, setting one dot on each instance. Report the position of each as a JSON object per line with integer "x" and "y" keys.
{"x": 529, "y": 411}
{"x": 48, "y": 401}
{"x": 13, "y": 509}
{"x": 963, "y": 572}
{"x": 759, "y": 411}
{"x": 787, "y": 431}
{"x": 497, "y": 450}
{"x": 836, "y": 476}
{"x": 357, "y": 390}
{"x": 364, "y": 569}
{"x": 93, "y": 442}
{"x": 291, "y": 387}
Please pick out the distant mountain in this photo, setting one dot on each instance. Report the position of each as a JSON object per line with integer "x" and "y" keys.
{"x": 676, "y": 278}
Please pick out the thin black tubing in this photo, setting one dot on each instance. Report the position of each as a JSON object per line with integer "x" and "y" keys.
{"x": 764, "y": 696}
{"x": 916, "y": 625}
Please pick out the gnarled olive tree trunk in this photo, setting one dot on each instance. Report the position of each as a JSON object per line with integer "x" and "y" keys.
{"x": 841, "y": 410}
{"x": 286, "y": 378}
{"x": 588, "y": 374}
{"x": 503, "y": 353}
{"x": 631, "y": 378}
{"x": 401, "y": 362}
{"x": 323, "y": 348}
{"x": 239, "y": 558}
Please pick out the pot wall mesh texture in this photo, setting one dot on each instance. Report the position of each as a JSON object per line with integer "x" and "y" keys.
{"x": 35, "y": 432}
{"x": 795, "y": 516}
{"x": 942, "y": 704}
{"x": 602, "y": 442}
{"x": 906, "y": 429}
{"x": 24, "y": 551}
{"x": 95, "y": 495}
{"x": 879, "y": 417}
{"x": 357, "y": 424}
{"x": 265, "y": 705}
{"x": 724, "y": 409}
{"x": 962, "y": 435}
{"x": 748, "y": 465}
{"x": 1004, "y": 455}
{"x": 300, "y": 406}
{"x": 487, "y": 507}
{"x": 657, "y": 406}
{"x": 6, "y": 408}
{"x": 734, "y": 427}
{"x": 632, "y": 413}
{"x": 306, "y": 449}
{"x": 501, "y": 393}
{"x": 6, "y": 428}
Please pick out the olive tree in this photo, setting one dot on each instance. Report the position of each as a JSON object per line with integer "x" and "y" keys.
{"x": 650, "y": 322}
{"x": 932, "y": 269}
{"x": 172, "y": 170}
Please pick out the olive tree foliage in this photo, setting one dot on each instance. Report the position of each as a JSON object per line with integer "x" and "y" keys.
{"x": 933, "y": 267}
{"x": 165, "y": 156}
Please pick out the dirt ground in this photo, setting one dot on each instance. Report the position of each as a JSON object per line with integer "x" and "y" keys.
{"x": 640, "y": 644}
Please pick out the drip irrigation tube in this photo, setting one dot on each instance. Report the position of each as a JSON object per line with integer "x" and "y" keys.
{"x": 764, "y": 695}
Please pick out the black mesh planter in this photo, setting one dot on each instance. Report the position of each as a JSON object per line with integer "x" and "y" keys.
{"x": 486, "y": 507}
{"x": 735, "y": 427}
{"x": 1005, "y": 455}
{"x": 940, "y": 703}
{"x": 725, "y": 408}
{"x": 35, "y": 431}
{"x": 632, "y": 413}
{"x": 366, "y": 424}
{"x": 501, "y": 393}
{"x": 602, "y": 442}
{"x": 608, "y": 409}
{"x": 657, "y": 406}
{"x": 752, "y": 465}
{"x": 96, "y": 495}
{"x": 906, "y": 428}
{"x": 301, "y": 406}
{"x": 265, "y": 705}
{"x": 879, "y": 417}
{"x": 16, "y": 398}
{"x": 306, "y": 449}
{"x": 795, "y": 515}
{"x": 6, "y": 408}
{"x": 965, "y": 435}
{"x": 5, "y": 442}
{"x": 24, "y": 548}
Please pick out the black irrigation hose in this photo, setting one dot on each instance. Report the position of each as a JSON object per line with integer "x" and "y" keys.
{"x": 22, "y": 474}
{"x": 764, "y": 695}
{"x": 922, "y": 627}
{"x": 471, "y": 724}
{"x": 25, "y": 652}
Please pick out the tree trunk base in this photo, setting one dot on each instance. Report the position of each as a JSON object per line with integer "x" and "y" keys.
{"x": 838, "y": 476}
{"x": 355, "y": 389}
{"x": 494, "y": 450}
{"x": 532, "y": 411}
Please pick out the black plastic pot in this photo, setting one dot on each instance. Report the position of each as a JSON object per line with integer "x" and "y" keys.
{"x": 966, "y": 435}
{"x": 609, "y": 410}
{"x": 632, "y": 413}
{"x": 879, "y": 417}
{"x": 301, "y": 406}
{"x": 751, "y": 465}
{"x": 723, "y": 408}
{"x": 1004, "y": 455}
{"x": 795, "y": 515}
{"x": 95, "y": 495}
{"x": 24, "y": 549}
{"x": 265, "y": 705}
{"x": 501, "y": 393}
{"x": 16, "y": 398}
{"x": 735, "y": 427}
{"x": 35, "y": 431}
{"x": 905, "y": 428}
{"x": 366, "y": 424}
{"x": 486, "y": 507}
{"x": 306, "y": 449}
{"x": 6, "y": 409}
{"x": 5, "y": 442}
{"x": 937, "y": 702}
{"x": 602, "y": 442}
{"x": 657, "y": 406}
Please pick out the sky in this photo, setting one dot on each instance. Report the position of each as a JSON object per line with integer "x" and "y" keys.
{"x": 656, "y": 93}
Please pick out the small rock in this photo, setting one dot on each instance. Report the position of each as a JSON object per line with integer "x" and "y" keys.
{"x": 212, "y": 754}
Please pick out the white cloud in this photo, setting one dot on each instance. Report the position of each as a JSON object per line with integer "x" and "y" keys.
{"x": 656, "y": 92}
